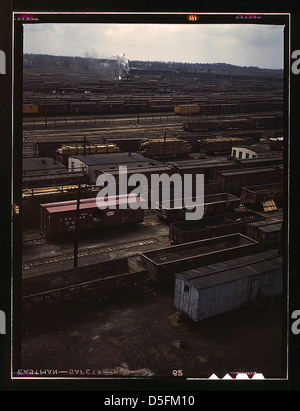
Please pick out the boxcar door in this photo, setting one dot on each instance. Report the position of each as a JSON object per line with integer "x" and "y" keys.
{"x": 254, "y": 288}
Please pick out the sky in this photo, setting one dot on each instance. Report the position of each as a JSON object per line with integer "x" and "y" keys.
{"x": 240, "y": 44}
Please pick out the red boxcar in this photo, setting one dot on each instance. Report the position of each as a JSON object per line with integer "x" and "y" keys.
{"x": 60, "y": 218}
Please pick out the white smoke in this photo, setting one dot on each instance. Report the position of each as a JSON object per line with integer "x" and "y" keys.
{"x": 123, "y": 65}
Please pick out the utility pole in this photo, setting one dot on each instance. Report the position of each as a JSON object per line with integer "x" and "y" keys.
{"x": 84, "y": 146}
{"x": 165, "y": 147}
{"x": 76, "y": 227}
{"x": 45, "y": 113}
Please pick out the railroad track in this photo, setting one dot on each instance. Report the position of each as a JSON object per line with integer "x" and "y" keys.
{"x": 34, "y": 241}
{"x": 79, "y": 132}
{"x": 90, "y": 251}
{"x": 101, "y": 125}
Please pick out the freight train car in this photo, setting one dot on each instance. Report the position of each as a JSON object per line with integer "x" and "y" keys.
{"x": 212, "y": 290}
{"x": 55, "y": 179}
{"x": 213, "y": 204}
{"x": 62, "y": 154}
{"x": 208, "y": 227}
{"x": 258, "y": 162}
{"x": 162, "y": 264}
{"x": 186, "y": 110}
{"x": 127, "y": 145}
{"x": 160, "y": 148}
{"x": 267, "y": 233}
{"x": 255, "y": 196}
{"x": 30, "y": 109}
{"x": 263, "y": 122}
{"x": 85, "y": 282}
{"x": 60, "y": 218}
{"x": 207, "y": 167}
{"x": 112, "y": 107}
{"x": 218, "y": 145}
{"x": 233, "y": 181}
{"x": 224, "y": 124}
{"x": 267, "y": 122}
{"x": 158, "y": 193}
{"x": 33, "y": 197}
{"x": 83, "y": 107}
{"x": 54, "y": 108}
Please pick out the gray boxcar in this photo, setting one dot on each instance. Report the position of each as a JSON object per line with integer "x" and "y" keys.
{"x": 215, "y": 289}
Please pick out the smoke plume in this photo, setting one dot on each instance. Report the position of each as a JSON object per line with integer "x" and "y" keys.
{"x": 123, "y": 65}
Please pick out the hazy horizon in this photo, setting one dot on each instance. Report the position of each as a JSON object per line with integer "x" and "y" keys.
{"x": 240, "y": 45}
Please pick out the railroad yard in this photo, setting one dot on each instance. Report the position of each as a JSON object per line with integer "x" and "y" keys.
{"x": 100, "y": 288}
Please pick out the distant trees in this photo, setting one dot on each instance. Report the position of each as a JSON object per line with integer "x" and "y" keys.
{"x": 97, "y": 64}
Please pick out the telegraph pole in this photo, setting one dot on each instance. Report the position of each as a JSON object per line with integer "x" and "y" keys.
{"x": 84, "y": 146}
{"x": 76, "y": 227}
{"x": 165, "y": 146}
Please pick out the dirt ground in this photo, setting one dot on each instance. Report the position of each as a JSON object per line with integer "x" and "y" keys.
{"x": 144, "y": 335}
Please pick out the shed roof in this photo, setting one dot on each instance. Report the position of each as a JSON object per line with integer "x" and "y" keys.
{"x": 255, "y": 149}
{"x": 34, "y": 165}
{"x": 110, "y": 158}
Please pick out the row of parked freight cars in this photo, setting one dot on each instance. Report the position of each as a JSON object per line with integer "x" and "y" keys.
{"x": 141, "y": 105}
{"x": 219, "y": 176}
{"x": 228, "y": 108}
{"x": 224, "y": 196}
{"x": 251, "y": 122}
{"x": 201, "y": 249}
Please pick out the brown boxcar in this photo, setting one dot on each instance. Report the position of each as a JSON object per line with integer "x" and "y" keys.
{"x": 162, "y": 264}
{"x": 208, "y": 168}
{"x": 60, "y": 218}
{"x": 252, "y": 229}
{"x": 264, "y": 122}
{"x": 232, "y": 181}
{"x": 269, "y": 236}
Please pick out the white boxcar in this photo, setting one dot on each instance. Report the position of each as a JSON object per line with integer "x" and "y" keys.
{"x": 215, "y": 289}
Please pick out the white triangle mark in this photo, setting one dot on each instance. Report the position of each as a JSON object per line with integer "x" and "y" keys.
{"x": 258, "y": 376}
{"x": 213, "y": 377}
{"x": 227, "y": 377}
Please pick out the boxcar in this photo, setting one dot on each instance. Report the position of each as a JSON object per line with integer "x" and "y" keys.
{"x": 252, "y": 229}
{"x": 110, "y": 107}
{"x": 263, "y": 122}
{"x": 83, "y": 107}
{"x": 259, "y": 162}
{"x": 232, "y": 181}
{"x": 54, "y": 108}
{"x": 269, "y": 236}
{"x": 30, "y": 109}
{"x": 187, "y": 109}
{"x": 60, "y": 218}
{"x": 212, "y": 290}
{"x": 206, "y": 167}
